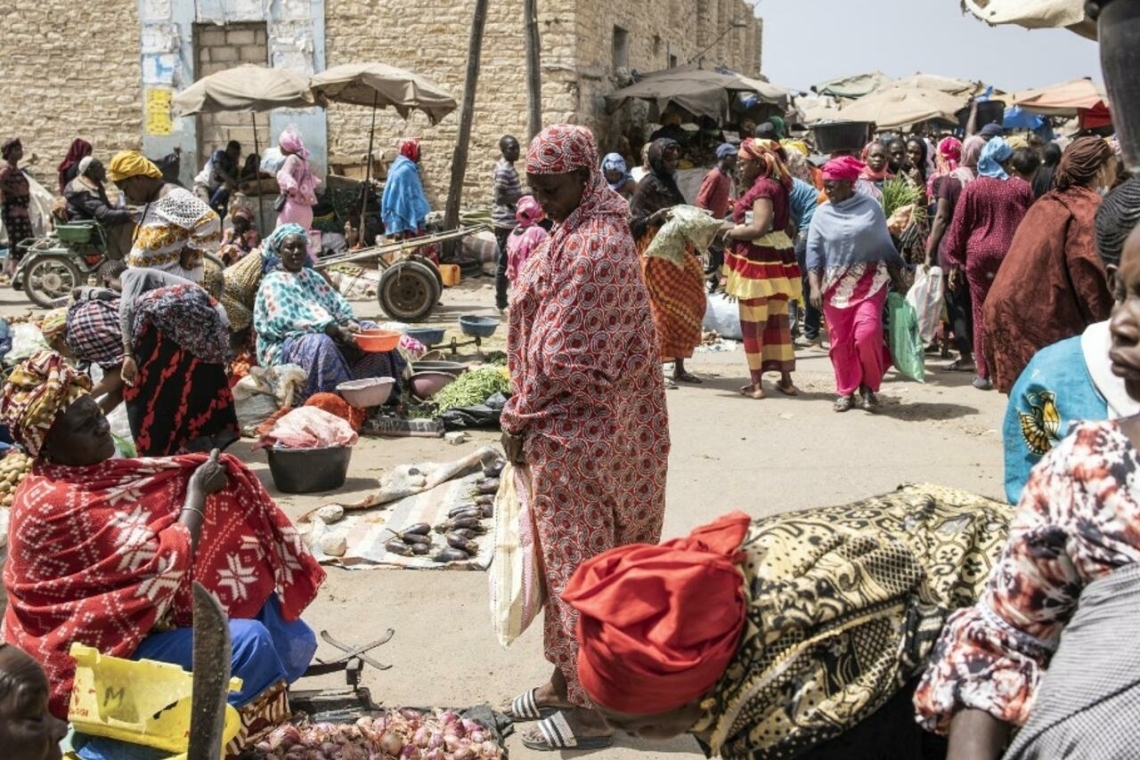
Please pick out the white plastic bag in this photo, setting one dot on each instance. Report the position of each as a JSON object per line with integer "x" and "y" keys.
{"x": 517, "y": 587}
{"x": 926, "y": 295}
{"x": 723, "y": 317}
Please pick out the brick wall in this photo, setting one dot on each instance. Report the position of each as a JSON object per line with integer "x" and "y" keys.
{"x": 70, "y": 70}
{"x": 218, "y": 48}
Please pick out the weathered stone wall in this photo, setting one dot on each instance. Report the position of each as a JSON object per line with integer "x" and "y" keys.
{"x": 70, "y": 70}
{"x": 431, "y": 40}
{"x": 218, "y": 48}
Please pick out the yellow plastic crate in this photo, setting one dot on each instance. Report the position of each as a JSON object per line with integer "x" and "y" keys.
{"x": 141, "y": 702}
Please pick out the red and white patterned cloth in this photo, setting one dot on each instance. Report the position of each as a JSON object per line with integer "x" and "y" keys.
{"x": 588, "y": 392}
{"x": 1078, "y": 520}
{"x": 97, "y": 555}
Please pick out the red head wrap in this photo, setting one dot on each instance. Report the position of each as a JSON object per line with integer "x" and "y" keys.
{"x": 768, "y": 153}
{"x": 410, "y": 149}
{"x": 843, "y": 169}
{"x": 659, "y": 625}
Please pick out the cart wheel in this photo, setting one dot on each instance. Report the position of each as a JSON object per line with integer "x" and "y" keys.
{"x": 50, "y": 278}
{"x": 408, "y": 291}
{"x": 426, "y": 262}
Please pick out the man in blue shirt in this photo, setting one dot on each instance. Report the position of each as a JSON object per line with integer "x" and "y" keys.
{"x": 802, "y": 201}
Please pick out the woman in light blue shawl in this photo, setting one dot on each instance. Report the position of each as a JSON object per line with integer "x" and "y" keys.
{"x": 404, "y": 206}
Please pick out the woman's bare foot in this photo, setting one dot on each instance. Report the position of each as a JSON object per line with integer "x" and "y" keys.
{"x": 681, "y": 375}
{"x": 755, "y": 391}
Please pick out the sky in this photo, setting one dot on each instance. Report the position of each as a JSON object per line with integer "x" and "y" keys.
{"x": 810, "y": 41}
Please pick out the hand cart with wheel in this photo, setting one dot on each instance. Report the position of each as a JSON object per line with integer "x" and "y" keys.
{"x": 410, "y": 283}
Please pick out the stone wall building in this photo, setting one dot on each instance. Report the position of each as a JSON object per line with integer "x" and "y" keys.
{"x": 106, "y": 70}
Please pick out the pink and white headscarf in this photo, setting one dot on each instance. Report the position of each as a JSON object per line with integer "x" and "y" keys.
{"x": 290, "y": 142}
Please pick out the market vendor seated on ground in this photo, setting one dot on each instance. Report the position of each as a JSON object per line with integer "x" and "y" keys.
{"x": 300, "y": 319}
{"x": 800, "y": 635}
{"x": 124, "y": 589}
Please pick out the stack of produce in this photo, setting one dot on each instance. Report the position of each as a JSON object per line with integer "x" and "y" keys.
{"x": 398, "y": 735}
{"x": 473, "y": 388}
{"x": 13, "y": 469}
{"x": 457, "y": 534}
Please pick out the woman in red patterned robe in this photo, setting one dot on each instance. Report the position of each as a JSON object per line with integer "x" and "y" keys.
{"x": 587, "y": 419}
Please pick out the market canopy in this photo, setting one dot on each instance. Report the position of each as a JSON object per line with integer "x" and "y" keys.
{"x": 897, "y": 107}
{"x": 856, "y": 86}
{"x": 963, "y": 87}
{"x": 244, "y": 88}
{"x": 1065, "y": 99}
{"x": 1034, "y": 14}
{"x": 382, "y": 86}
{"x": 701, "y": 92}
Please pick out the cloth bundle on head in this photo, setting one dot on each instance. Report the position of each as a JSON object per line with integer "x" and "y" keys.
{"x": 994, "y": 154}
{"x": 766, "y": 152}
{"x": 613, "y": 162}
{"x": 38, "y": 390}
{"x": 410, "y": 149}
{"x": 54, "y": 323}
{"x": 658, "y": 625}
{"x": 290, "y": 142}
{"x": 1116, "y": 218}
{"x": 131, "y": 163}
{"x": 795, "y": 146}
{"x": 724, "y": 150}
{"x": 843, "y": 169}
{"x": 8, "y": 146}
{"x": 992, "y": 130}
{"x": 528, "y": 212}
{"x": 1081, "y": 162}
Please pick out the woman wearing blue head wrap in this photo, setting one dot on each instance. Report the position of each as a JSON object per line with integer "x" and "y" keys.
{"x": 618, "y": 176}
{"x": 988, "y": 214}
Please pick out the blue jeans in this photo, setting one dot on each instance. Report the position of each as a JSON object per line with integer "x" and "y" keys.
{"x": 812, "y": 316}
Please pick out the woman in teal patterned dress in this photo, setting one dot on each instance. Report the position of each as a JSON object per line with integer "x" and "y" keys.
{"x": 300, "y": 319}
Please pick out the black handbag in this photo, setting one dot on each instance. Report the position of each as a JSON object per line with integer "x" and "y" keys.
{"x": 280, "y": 202}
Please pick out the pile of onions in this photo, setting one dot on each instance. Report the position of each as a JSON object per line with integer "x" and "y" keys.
{"x": 397, "y": 735}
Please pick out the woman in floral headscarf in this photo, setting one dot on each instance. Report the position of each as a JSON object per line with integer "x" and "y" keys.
{"x": 586, "y": 424}
{"x": 297, "y": 183}
{"x": 760, "y": 260}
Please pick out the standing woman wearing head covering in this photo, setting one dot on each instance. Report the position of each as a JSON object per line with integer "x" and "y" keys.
{"x": 618, "y": 176}
{"x": 15, "y": 199}
{"x": 176, "y": 227}
{"x": 851, "y": 260}
{"x": 760, "y": 261}
{"x": 676, "y": 289}
{"x": 404, "y": 206}
{"x": 986, "y": 218}
{"x": 79, "y": 150}
{"x": 297, "y": 183}
{"x": 1052, "y": 284}
{"x": 586, "y": 423}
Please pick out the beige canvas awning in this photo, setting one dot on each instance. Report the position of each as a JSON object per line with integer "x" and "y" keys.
{"x": 244, "y": 88}
{"x": 379, "y": 85}
{"x": 856, "y": 86}
{"x": 701, "y": 92}
{"x": 1034, "y": 14}
{"x": 1065, "y": 99}
{"x": 899, "y": 107}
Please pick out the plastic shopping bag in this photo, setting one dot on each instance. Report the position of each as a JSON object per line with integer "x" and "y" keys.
{"x": 907, "y": 348}
{"x": 516, "y": 579}
{"x": 926, "y": 296}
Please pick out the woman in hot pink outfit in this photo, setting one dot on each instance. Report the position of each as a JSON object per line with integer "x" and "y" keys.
{"x": 296, "y": 181}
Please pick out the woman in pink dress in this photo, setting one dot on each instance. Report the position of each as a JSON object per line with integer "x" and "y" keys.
{"x": 988, "y": 214}
{"x": 587, "y": 420}
{"x": 296, "y": 181}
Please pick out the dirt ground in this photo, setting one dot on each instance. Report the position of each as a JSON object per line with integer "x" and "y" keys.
{"x": 728, "y": 453}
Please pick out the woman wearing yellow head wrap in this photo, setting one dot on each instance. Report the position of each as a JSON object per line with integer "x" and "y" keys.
{"x": 176, "y": 227}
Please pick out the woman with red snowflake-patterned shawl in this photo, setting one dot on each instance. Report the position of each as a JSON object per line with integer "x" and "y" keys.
{"x": 587, "y": 420}
{"x": 104, "y": 551}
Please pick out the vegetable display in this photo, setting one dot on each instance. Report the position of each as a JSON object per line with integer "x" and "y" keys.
{"x": 473, "y": 388}
{"x": 13, "y": 469}
{"x": 397, "y": 735}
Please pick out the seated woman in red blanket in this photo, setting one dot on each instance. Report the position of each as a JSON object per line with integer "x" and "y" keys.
{"x": 103, "y": 551}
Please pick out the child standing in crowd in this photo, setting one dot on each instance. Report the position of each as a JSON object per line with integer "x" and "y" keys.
{"x": 526, "y": 237}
